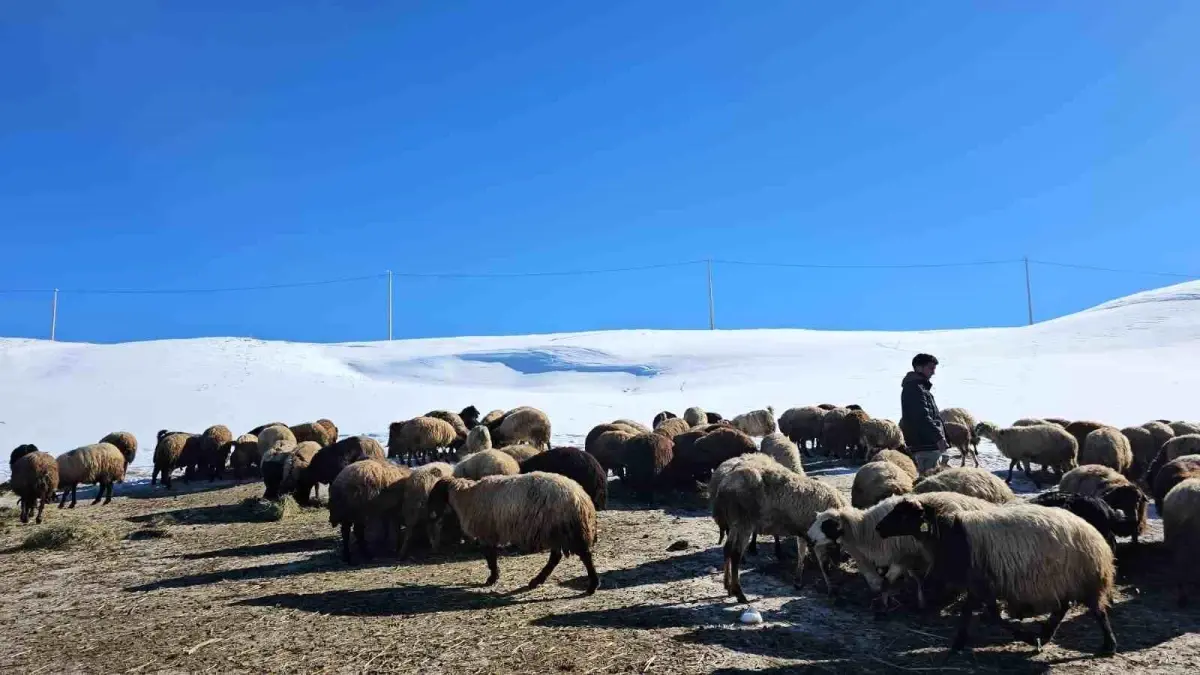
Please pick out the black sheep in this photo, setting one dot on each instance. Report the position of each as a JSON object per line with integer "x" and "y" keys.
{"x": 1094, "y": 510}
{"x": 577, "y": 465}
{"x": 662, "y": 417}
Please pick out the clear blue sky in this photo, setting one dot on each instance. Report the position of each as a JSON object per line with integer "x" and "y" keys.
{"x": 156, "y": 145}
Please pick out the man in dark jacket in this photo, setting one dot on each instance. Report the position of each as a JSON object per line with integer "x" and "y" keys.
{"x": 919, "y": 418}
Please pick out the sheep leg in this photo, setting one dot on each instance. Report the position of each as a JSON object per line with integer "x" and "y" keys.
{"x": 491, "y": 552}
{"x": 108, "y": 494}
{"x": 753, "y": 549}
{"x": 735, "y": 577}
{"x": 585, "y": 556}
{"x": 555, "y": 558}
{"x": 405, "y": 541}
{"x": 74, "y": 495}
{"x": 63, "y": 501}
{"x": 360, "y": 534}
{"x": 778, "y": 549}
{"x": 24, "y": 510}
{"x": 964, "y": 622}
{"x": 99, "y": 493}
{"x": 154, "y": 476}
{"x": 1051, "y": 625}
{"x": 346, "y": 543}
{"x": 1012, "y": 465}
{"x": 1030, "y": 476}
{"x": 41, "y": 508}
{"x": 1101, "y": 614}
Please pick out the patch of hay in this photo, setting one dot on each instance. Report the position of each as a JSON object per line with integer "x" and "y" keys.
{"x": 70, "y": 534}
{"x": 149, "y": 533}
{"x": 268, "y": 511}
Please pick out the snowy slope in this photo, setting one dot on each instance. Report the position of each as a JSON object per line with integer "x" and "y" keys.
{"x": 1123, "y": 362}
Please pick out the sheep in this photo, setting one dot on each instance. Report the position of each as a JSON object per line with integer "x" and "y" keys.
{"x": 351, "y": 496}
{"x": 1028, "y": 422}
{"x": 245, "y": 454}
{"x": 854, "y": 530}
{"x": 827, "y": 406}
{"x": 991, "y": 554}
{"x": 271, "y": 466}
{"x": 1175, "y": 448}
{"x": 852, "y": 432}
{"x": 172, "y": 451}
{"x": 1181, "y": 530}
{"x": 487, "y": 463}
{"x": 756, "y": 422}
{"x": 782, "y": 450}
{"x": 1173, "y": 473}
{"x": 576, "y": 465}
{"x": 259, "y": 429}
{"x": 833, "y": 432}
{"x": 969, "y": 481}
{"x": 644, "y": 457}
{"x": 478, "y": 439}
{"x": 1049, "y": 445}
{"x": 34, "y": 479}
{"x": 492, "y": 418}
{"x": 1185, "y": 428}
{"x": 534, "y": 511}
{"x": 330, "y": 428}
{"x": 1096, "y": 480}
{"x": 695, "y": 416}
{"x": 760, "y": 498}
{"x": 1059, "y": 421}
{"x": 125, "y": 442}
{"x": 662, "y": 417}
{"x": 22, "y": 450}
{"x": 294, "y": 463}
{"x": 1142, "y": 447}
{"x": 964, "y": 417}
{"x": 719, "y": 474}
{"x": 1161, "y": 432}
{"x": 672, "y": 428}
{"x": 899, "y": 459}
{"x": 470, "y": 417}
{"x": 880, "y": 434}
{"x": 1081, "y": 428}
{"x": 877, "y": 481}
{"x": 419, "y": 438}
{"x": 608, "y": 446}
{"x": 100, "y": 463}
{"x": 959, "y": 437}
{"x": 407, "y": 500}
{"x": 708, "y": 452}
{"x": 1094, "y": 510}
{"x": 1109, "y": 447}
{"x": 331, "y": 460}
{"x": 636, "y": 426}
{"x": 271, "y": 436}
{"x": 312, "y": 431}
{"x": 454, "y": 420}
{"x": 520, "y": 451}
{"x": 523, "y": 425}
{"x": 803, "y": 425}
{"x": 681, "y": 472}
{"x": 713, "y": 417}
{"x": 214, "y": 447}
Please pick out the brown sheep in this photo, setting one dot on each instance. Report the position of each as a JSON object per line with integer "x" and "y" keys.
{"x": 34, "y": 481}
{"x": 245, "y": 454}
{"x": 171, "y": 452}
{"x": 672, "y": 427}
{"x": 351, "y": 495}
{"x": 314, "y": 432}
{"x": 1143, "y": 447}
{"x": 329, "y": 462}
{"x": 959, "y": 437}
{"x": 331, "y": 428}
{"x": 1080, "y": 430}
{"x": 645, "y": 456}
{"x": 419, "y": 438}
{"x": 699, "y": 456}
{"x": 215, "y": 445}
{"x": 125, "y": 442}
{"x": 608, "y": 447}
{"x": 528, "y": 425}
{"x": 407, "y": 501}
{"x": 492, "y": 418}
{"x": 460, "y": 427}
{"x": 1171, "y": 474}
{"x": 100, "y": 463}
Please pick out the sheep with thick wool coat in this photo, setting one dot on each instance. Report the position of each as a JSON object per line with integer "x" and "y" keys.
{"x": 1047, "y": 444}
{"x": 834, "y": 441}
{"x": 125, "y": 442}
{"x": 803, "y": 425}
{"x": 331, "y": 460}
{"x": 171, "y": 452}
{"x": 695, "y": 416}
{"x": 766, "y": 498}
{"x": 470, "y": 416}
{"x": 959, "y": 437}
{"x": 487, "y": 463}
{"x": 876, "y": 481}
{"x": 20, "y": 451}
{"x": 1176, "y": 447}
{"x": 991, "y": 553}
{"x": 271, "y": 466}
{"x": 1097, "y": 480}
{"x": 1142, "y": 447}
{"x": 662, "y": 417}
{"x": 407, "y": 501}
{"x": 672, "y": 427}
{"x": 854, "y": 530}
{"x": 1081, "y": 428}
{"x": 34, "y": 479}
{"x": 1173, "y": 473}
{"x": 880, "y": 434}
{"x": 521, "y": 451}
{"x": 970, "y": 481}
{"x": 1185, "y": 428}
{"x": 686, "y": 463}
{"x": 575, "y": 464}
{"x": 455, "y": 420}
{"x": 216, "y": 442}
{"x": 1181, "y": 531}
{"x": 608, "y": 446}
{"x": 314, "y": 432}
{"x": 534, "y": 511}
{"x": 703, "y": 455}
{"x": 1097, "y": 512}
{"x": 852, "y": 432}
{"x": 719, "y": 474}
{"x": 1029, "y": 422}
{"x": 756, "y": 422}
{"x": 644, "y": 457}
{"x": 351, "y": 497}
{"x": 331, "y": 428}
{"x": 419, "y": 438}
{"x": 478, "y": 439}
{"x": 900, "y": 459}
{"x": 780, "y": 448}
{"x": 100, "y": 463}
{"x": 272, "y": 436}
{"x": 964, "y": 417}
{"x": 524, "y": 425}
{"x": 492, "y": 418}
{"x": 295, "y": 463}
{"x": 1108, "y": 447}
{"x": 1161, "y": 432}
{"x": 245, "y": 454}
{"x": 635, "y": 425}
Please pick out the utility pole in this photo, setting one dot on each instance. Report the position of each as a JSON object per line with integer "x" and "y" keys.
{"x": 1028, "y": 292}
{"x": 54, "y": 315}
{"x": 712, "y": 320}
{"x": 389, "y": 305}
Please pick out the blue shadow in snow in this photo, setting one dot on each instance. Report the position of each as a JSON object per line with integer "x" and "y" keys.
{"x": 538, "y": 361}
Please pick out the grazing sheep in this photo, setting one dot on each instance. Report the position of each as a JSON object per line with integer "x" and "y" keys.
{"x": 34, "y": 480}
{"x": 330, "y": 428}
{"x": 766, "y": 498}
{"x": 576, "y": 465}
{"x": 245, "y": 454}
{"x": 876, "y": 481}
{"x": 329, "y": 462}
{"x": 968, "y": 481}
{"x": 259, "y": 429}
{"x": 470, "y": 417}
{"x": 782, "y": 450}
{"x": 833, "y": 432}
{"x": 1161, "y": 432}
{"x": 1081, "y": 428}
{"x": 1029, "y": 422}
{"x": 1185, "y": 444}
{"x": 1096, "y": 480}
{"x": 487, "y": 463}
{"x": 991, "y": 554}
{"x": 454, "y": 420}
{"x": 852, "y": 432}
{"x": 20, "y": 451}
{"x": 418, "y": 439}
{"x": 296, "y": 462}
{"x": 960, "y": 437}
{"x": 695, "y": 416}
{"x": 672, "y": 428}
{"x": 899, "y": 459}
{"x": 880, "y": 434}
{"x": 1058, "y": 421}
{"x": 1049, "y": 445}
{"x": 663, "y": 417}
{"x": 1108, "y": 447}
{"x": 1173, "y": 473}
{"x": 1094, "y": 510}
{"x": 1185, "y": 428}
{"x": 521, "y": 452}
{"x": 523, "y": 425}
{"x": 351, "y": 496}
{"x": 407, "y": 501}
{"x": 100, "y": 463}
{"x": 636, "y": 426}
{"x": 534, "y": 511}
{"x": 173, "y": 450}
{"x": 478, "y": 439}
{"x": 125, "y": 442}
{"x": 215, "y": 445}
{"x": 685, "y": 464}
{"x": 644, "y": 457}
{"x": 854, "y": 530}
{"x": 713, "y": 418}
{"x": 271, "y": 437}
{"x": 492, "y": 418}
{"x": 803, "y": 425}
{"x": 271, "y": 466}
{"x": 709, "y": 451}
{"x": 756, "y": 422}
{"x": 608, "y": 446}
{"x": 1143, "y": 448}
{"x": 314, "y": 432}
{"x": 719, "y": 474}
{"x": 1181, "y": 530}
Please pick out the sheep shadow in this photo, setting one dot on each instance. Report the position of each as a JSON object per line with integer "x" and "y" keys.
{"x": 216, "y": 514}
{"x": 273, "y": 548}
{"x": 404, "y": 600}
{"x": 649, "y": 617}
{"x": 674, "y": 568}
{"x": 316, "y": 563}
{"x": 144, "y": 490}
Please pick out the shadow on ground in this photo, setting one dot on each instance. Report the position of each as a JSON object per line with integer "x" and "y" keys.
{"x": 392, "y": 601}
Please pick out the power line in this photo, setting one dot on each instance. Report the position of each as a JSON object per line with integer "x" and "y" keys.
{"x": 565, "y": 273}
{"x": 229, "y": 289}
{"x": 1093, "y": 268}
{"x": 818, "y": 266}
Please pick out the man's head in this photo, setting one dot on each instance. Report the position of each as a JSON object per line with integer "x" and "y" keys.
{"x": 925, "y": 364}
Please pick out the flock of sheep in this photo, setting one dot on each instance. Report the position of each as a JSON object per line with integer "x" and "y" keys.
{"x": 495, "y": 479}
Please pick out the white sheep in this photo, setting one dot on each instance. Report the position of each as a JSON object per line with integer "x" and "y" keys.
{"x": 1047, "y": 444}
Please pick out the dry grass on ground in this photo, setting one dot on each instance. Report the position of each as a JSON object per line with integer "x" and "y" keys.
{"x": 211, "y": 581}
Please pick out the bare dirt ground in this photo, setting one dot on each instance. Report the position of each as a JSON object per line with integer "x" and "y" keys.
{"x": 192, "y": 582}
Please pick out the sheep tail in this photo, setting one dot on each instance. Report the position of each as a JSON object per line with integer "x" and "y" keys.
{"x": 740, "y": 498}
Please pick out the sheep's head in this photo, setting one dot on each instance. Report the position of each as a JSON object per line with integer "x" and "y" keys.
{"x": 827, "y": 529}
{"x": 21, "y": 451}
{"x": 908, "y": 517}
{"x": 1127, "y": 499}
{"x": 987, "y": 430}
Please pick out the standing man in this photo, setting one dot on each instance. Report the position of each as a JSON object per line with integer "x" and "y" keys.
{"x": 919, "y": 418}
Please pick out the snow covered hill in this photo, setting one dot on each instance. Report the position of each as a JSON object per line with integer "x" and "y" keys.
{"x": 1123, "y": 362}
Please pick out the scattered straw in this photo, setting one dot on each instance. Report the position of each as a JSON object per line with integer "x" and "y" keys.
{"x": 269, "y": 511}
{"x": 69, "y": 534}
